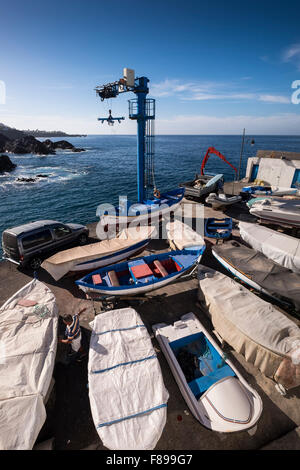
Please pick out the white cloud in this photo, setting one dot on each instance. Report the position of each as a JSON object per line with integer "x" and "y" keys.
{"x": 292, "y": 54}
{"x": 201, "y": 91}
{"x": 274, "y": 99}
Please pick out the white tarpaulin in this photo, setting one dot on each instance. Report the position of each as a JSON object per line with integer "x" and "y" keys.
{"x": 183, "y": 236}
{"x": 127, "y": 394}
{"x": 253, "y": 327}
{"x": 28, "y": 341}
{"x": 281, "y": 248}
{"x": 64, "y": 261}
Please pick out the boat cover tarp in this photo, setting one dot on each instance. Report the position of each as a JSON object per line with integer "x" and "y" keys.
{"x": 281, "y": 248}
{"x": 61, "y": 263}
{"x": 183, "y": 236}
{"x": 277, "y": 280}
{"x": 28, "y": 341}
{"x": 126, "y": 389}
{"x": 255, "y": 328}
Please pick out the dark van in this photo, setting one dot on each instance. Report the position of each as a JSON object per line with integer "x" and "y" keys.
{"x": 30, "y": 244}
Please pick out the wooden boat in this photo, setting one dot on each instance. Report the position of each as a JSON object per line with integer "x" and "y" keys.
{"x": 127, "y": 394}
{"x": 28, "y": 338}
{"x": 279, "y": 247}
{"x": 221, "y": 200}
{"x": 215, "y": 392}
{"x": 218, "y": 228}
{"x": 150, "y": 211}
{"x": 140, "y": 275}
{"x": 285, "y": 212}
{"x": 127, "y": 243}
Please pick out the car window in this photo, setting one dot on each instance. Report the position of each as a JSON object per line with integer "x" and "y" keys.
{"x": 36, "y": 239}
{"x": 61, "y": 231}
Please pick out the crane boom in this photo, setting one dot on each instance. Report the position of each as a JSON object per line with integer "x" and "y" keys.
{"x": 219, "y": 154}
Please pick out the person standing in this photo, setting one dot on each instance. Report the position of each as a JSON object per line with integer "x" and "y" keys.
{"x": 73, "y": 336}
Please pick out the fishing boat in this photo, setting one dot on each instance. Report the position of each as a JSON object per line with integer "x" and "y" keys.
{"x": 215, "y": 392}
{"x": 140, "y": 275}
{"x": 221, "y": 200}
{"x": 269, "y": 190}
{"x": 265, "y": 336}
{"x": 218, "y": 228}
{"x": 203, "y": 185}
{"x": 279, "y": 247}
{"x": 260, "y": 273}
{"x": 151, "y": 203}
{"x": 28, "y": 338}
{"x": 148, "y": 212}
{"x": 283, "y": 213}
{"x": 127, "y": 394}
{"x": 182, "y": 237}
{"x": 127, "y": 243}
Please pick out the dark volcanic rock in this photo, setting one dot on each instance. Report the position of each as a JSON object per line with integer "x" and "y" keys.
{"x": 3, "y": 142}
{"x": 41, "y": 176}
{"x": 26, "y": 180}
{"x": 49, "y": 144}
{"x": 6, "y": 164}
{"x": 75, "y": 149}
{"x": 28, "y": 144}
{"x": 63, "y": 144}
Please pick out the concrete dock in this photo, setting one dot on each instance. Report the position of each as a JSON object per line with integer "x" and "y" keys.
{"x": 69, "y": 419}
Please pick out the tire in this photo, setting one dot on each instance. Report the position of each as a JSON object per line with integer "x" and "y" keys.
{"x": 35, "y": 263}
{"x": 82, "y": 239}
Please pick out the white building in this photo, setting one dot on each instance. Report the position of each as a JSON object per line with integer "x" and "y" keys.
{"x": 275, "y": 168}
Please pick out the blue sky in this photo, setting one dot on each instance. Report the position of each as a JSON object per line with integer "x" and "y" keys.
{"x": 214, "y": 67}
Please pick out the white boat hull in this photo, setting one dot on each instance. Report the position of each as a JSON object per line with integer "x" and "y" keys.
{"x": 232, "y": 394}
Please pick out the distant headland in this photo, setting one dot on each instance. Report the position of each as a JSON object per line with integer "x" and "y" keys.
{"x": 13, "y": 133}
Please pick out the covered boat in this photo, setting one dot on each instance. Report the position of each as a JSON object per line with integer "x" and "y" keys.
{"x": 215, "y": 392}
{"x": 259, "y": 272}
{"x": 127, "y": 394}
{"x": 140, "y": 275}
{"x": 28, "y": 338}
{"x": 252, "y": 326}
{"x": 182, "y": 237}
{"x": 279, "y": 247}
{"x": 285, "y": 212}
{"x": 203, "y": 185}
{"x": 218, "y": 228}
{"x": 86, "y": 258}
{"x": 221, "y": 200}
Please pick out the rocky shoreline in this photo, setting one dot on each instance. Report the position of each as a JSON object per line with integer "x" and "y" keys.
{"x": 29, "y": 144}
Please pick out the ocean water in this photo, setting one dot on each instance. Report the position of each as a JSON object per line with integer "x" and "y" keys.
{"x": 78, "y": 182}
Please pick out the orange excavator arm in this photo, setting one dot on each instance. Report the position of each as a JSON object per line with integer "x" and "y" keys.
{"x": 216, "y": 152}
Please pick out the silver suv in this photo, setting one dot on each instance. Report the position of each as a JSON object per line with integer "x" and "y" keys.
{"x": 30, "y": 244}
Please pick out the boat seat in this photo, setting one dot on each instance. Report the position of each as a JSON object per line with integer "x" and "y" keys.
{"x": 160, "y": 268}
{"x": 113, "y": 278}
{"x": 97, "y": 279}
{"x": 201, "y": 384}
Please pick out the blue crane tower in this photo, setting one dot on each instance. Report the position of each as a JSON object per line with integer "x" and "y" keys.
{"x": 141, "y": 109}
